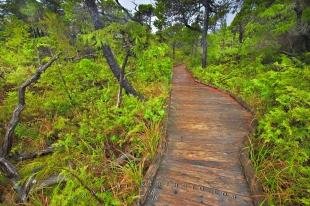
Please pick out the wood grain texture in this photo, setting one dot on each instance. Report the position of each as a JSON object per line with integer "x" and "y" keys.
{"x": 206, "y": 129}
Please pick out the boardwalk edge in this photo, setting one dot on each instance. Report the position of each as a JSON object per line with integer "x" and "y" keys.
{"x": 149, "y": 177}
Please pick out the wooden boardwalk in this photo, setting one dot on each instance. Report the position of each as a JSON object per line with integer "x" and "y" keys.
{"x": 206, "y": 129}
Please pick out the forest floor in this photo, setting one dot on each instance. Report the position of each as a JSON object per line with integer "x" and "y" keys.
{"x": 205, "y": 133}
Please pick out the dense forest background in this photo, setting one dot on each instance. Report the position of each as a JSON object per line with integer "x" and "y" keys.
{"x": 84, "y": 87}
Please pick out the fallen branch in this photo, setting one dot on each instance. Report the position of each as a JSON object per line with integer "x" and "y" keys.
{"x": 52, "y": 180}
{"x": 121, "y": 160}
{"x": 124, "y": 157}
{"x": 25, "y": 190}
{"x": 33, "y": 155}
{"x": 8, "y": 169}
{"x": 8, "y": 138}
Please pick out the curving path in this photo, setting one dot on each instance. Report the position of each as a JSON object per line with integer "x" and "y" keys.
{"x": 206, "y": 129}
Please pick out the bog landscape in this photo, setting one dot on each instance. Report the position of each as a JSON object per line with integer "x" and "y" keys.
{"x": 154, "y": 102}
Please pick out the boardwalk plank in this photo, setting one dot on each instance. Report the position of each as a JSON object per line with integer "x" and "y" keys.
{"x": 206, "y": 129}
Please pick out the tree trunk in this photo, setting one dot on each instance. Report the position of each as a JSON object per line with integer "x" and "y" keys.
{"x": 107, "y": 51}
{"x": 108, "y": 54}
{"x": 241, "y": 31}
{"x": 94, "y": 13}
{"x": 121, "y": 79}
{"x": 298, "y": 10}
{"x": 204, "y": 42}
{"x": 150, "y": 22}
{"x": 173, "y": 50}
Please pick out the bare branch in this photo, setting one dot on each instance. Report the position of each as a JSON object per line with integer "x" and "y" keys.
{"x": 8, "y": 168}
{"x": 52, "y": 180}
{"x": 121, "y": 160}
{"x": 25, "y": 190}
{"x": 136, "y": 6}
{"x": 33, "y": 155}
{"x": 8, "y": 138}
{"x": 32, "y": 184}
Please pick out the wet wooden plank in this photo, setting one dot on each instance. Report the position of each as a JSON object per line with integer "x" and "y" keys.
{"x": 206, "y": 129}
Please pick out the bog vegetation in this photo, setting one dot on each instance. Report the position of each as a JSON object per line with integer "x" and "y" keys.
{"x": 102, "y": 141}
{"x": 84, "y": 88}
{"x": 263, "y": 57}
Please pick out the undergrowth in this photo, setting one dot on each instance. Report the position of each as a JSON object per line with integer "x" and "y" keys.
{"x": 73, "y": 108}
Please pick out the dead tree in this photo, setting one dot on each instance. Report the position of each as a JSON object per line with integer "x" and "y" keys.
{"x": 8, "y": 138}
{"x": 33, "y": 155}
{"x": 6, "y": 167}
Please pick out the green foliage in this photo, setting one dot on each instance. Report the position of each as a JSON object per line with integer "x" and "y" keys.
{"x": 183, "y": 42}
{"x": 152, "y": 112}
{"x": 150, "y": 72}
{"x": 58, "y": 34}
{"x": 16, "y": 47}
{"x": 113, "y": 34}
{"x": 30, "y": 9}
{"x": 74, "y": 191}
{"x": 306, "y": 15}
{"x": 72, "y": 106}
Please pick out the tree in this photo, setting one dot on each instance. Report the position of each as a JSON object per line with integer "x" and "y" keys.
{"x": 181, "y": 38}
{"x": 107, "y": 51}
{"x": 145, "y": 13}
{"x": 266, "y": 20}
{"x": 195, "y": 15}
